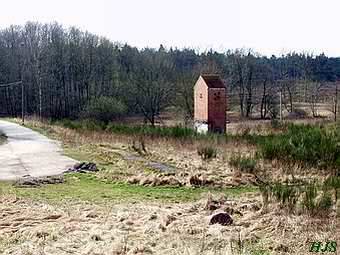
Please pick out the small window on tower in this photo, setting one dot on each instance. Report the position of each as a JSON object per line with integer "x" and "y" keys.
{"x": 201, "y": 96}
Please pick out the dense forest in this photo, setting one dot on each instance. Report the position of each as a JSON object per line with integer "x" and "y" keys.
{"x": 68, "y": 73}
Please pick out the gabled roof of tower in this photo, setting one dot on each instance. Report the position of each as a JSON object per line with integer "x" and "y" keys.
{"x": 213, "y": 81}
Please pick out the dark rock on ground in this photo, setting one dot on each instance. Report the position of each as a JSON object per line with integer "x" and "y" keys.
{"x": 199, "y": 180}
{"x": 30, "y": 181}
{"x": 27, "y": 182}
{"x": 83, "y": 167}
{"x": 223, "y": 219}
{"x": 196, "y": 180}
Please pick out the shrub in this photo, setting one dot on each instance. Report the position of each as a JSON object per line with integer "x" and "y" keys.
{"x": 275, "y": 123}
{"x": 310, "y": 193}
{"x": 265, "y": 190}
{"x": 332, "y": 183}
{"x": 104, "y": 109}
{"x": 93, "y": 125}
{"x": 325, "y": 203}
{"x": 243, "y": 163}
{"x": 289, "y": 194}
{"x": 304, "y": 144}
{"x": 70, "y": 124}
{"x": 285, "y": 194}
{"x": 86, "y": 124}
{"x": 207, "y": 152}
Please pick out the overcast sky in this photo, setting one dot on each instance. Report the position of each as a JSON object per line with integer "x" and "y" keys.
{"x": 268, "y": 26}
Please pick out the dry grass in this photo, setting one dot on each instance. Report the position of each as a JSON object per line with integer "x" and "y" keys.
{"x": 150, "y": 227}
{"x": 32, "y": 227}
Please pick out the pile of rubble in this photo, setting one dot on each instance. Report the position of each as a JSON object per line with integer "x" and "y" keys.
{"x": 83, "y": 167}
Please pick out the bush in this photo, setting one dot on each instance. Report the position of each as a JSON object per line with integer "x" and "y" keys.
{"x": 207, "y": 152}
{"x": 285, "y": 194}
{"x": 86, "y": 124}
{"x": 243, "y": 163}
{"x": 310, "y": 194}
{"x": 332, "y": 183}
{"x": 310, "y": 203}
{"x": 93, "y": 125}
{"x": 304, "y": 144}
{"x": 325, "y": 203}
{"x": 275, "y": 123}
{"x": 104, "y": 109}
{"x": 70, "y": 124}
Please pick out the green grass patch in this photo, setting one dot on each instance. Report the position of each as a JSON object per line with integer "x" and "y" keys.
{"x": 87, "y": 187}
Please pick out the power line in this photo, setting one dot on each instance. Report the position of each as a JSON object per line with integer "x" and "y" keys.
{"x": 10, "y": 84}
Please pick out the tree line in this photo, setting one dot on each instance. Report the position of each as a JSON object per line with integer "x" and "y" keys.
{"x": 69, "y": 73}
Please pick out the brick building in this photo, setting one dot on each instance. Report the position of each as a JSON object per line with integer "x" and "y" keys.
{"x": 210, "y": 104}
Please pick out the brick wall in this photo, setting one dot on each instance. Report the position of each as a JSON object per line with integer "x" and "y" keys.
{"x": 217, "y": 108}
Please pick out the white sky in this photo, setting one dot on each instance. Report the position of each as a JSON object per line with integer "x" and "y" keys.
{"x": 268, "y": 26}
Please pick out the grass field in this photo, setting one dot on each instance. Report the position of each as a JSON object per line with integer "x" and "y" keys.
{"x": 134, "y": 207}
{"x": 87, "y": 187}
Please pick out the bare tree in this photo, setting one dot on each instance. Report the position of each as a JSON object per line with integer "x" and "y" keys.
{"x": 242, "y": 72}
{"x": 152, "y": 87}
{"x": 314, "y": 97}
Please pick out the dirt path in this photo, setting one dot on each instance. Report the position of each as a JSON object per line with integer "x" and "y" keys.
{"x": 28, "y": 152}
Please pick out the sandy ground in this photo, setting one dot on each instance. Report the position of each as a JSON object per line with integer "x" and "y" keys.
{"x": 32, "y": 227}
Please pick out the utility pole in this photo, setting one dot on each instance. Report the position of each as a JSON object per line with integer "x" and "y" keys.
{"x": 22, "y": 104}
{"x": 336, "y": 102}
{"x": 22, "y": 45}
{"x": 40, "y": 99}
{"x": 281, "y": 117}
{"x": 40, "y": 77}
